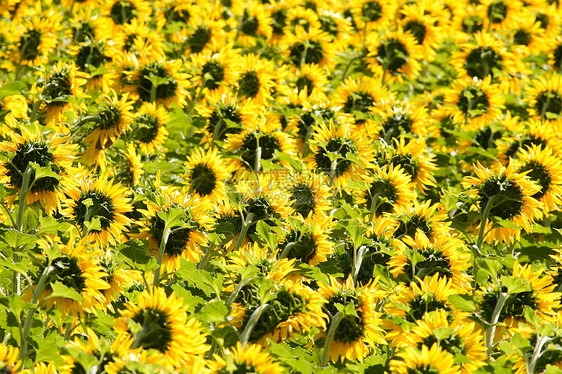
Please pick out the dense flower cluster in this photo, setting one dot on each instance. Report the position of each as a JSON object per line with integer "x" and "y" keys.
{"x": 299, "y": 186}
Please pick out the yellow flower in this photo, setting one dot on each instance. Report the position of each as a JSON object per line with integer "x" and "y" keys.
{"x": 424, "y": 360}
{"x": 122, "y": 12}
{"x": 148, "y": 127}
{"x": 512, "y": 193}
{"x": 206, "y": 175}
{"x": 97, "y": 200}
{"x": 53, "y": 153}
{"x": 158, "y": 330}
{"x": 251, "y": 358}
{"x": 544, "y": 96}
{"x": 9, "y": 358}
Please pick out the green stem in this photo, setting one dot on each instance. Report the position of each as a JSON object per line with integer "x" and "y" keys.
{"x": 161, "y": 250}
{"x": 254, "y": 317}
{"x": 245, "y": 226}
{"x": 16, "y": 278}
{"x": 287, "y": 249}
{"x": 27, "y": 325}
{"x": 207, "y": 257}
{"x": 495, "y": 318}
{"x": 358, "y": 256}
{"x": 36, "y": 106}
{"x": 236, "y": 291}
{"x": 541, "y": 341}
{"x": 331, "y": 332}
{"x": 67, "y": 330}
{"x": 477, "y": 249}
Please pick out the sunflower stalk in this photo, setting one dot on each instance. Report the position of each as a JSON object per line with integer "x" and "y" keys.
{"x": 541, "y": 341}
{"x": 375, "y": 203}
{"x": 495, "y": 318}
{"x": 254, "y": 318}
{"x": 207, "y": 257}
{"x": 161, "y": 249}
{"x": 358, "y": 256}
{"x": 27, "y": 324}
{"x": 477, "y": 250}
{"x": 245, "y": 226}
{"x": 237, "y": 290}
{"x": 331, "y": 332}
{"x": 25, "y": 187}
{"x": 35, "y": 110}
{"x": 287, "y": 250}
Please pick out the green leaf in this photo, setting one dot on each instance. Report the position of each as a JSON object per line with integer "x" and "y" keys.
{"x": 11, "y": 88}
{"x": 93, "y": 225}
{"x": 201, "y": 279}
{"x": 60, "y": 290}
{"x": 464, "y": 303}
{"x": 296, "y": 358}
{"x": 50, "y": 225}
{"x": 213, "y": 312}
{"x": 172, "y": 217}
{"x": 17, "y": 239}
{"x": 516, "y": 285}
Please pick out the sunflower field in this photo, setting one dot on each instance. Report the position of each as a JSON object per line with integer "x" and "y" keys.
{"x": 280, "y": 186}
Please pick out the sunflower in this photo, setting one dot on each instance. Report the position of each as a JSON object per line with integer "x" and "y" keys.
{"x": 259, "y": 142}
{"x": 483, "y": 57}
{"x": 393, "y": 55}
{"x": 114, "y": 119}
{"x": 92, "y": 57}
{"x": 255, "y": 22}
{"x": 77, "y": 268}
{"x": 538, "y": 294}
{"x": 307, "y": 194}
{"x": 430, "y": 219}
{"x": 129, "y": 170}
{"x": 440, "y": 127}
{"x": 206, "y": 35}
{"x": 218, "y": 68}
{"x": 377, "y": 252}
{"x": 140, "y": 40}
{"x": 306, "y": 242}
{"x": 417, "y": 21}
{"x": 184, "y": 241}
{"x": 548, "y": 17}
{"x": 463, "y": 337}
{"x": 337, "y": 27}
{"x": 225, "y": 114}
{"x": 401, "y": 120}
{"x": 475, "y": 101}
{"x": 544, "y": 96}
{"x": 412, "y": 157}
{"x": 510, "y": 194}
{"x": 310, "y": 77}
{"x": 339, "y": 152}
{"x": 300, "y": 19}
{"x": 295, "y": 309}
{"x": 356, "y": 334}
{"x": 54, "y": 153}
{"x": 13, "y": 109}
{"x": 256, "y": 79}
{"x": 314, "y": 47}
{"x": 363, "y": 95}
{"x": 389, "y": 189}
{"x": 206, "y": 175}
{"x": 117, "y": 277}
{"x": 469, "y": 19}
{"x": 418, "y": 301}
{"x": 554, "y": 51}
{"x": 527, "y": 38}
{"x": 251, "y": 358}
{"x": 159, "y": 82}
{"x": 178, "y": 11}
{"x": 33, "y": 35}
{"x": 533, "y": 132}
{"x": 502, "y": 14}
{"x": 148, "y": 127}
{"x": 371, "y": 14}
{"x": 424, "y": 360}
{"x": 63, "y": 82}
{"x": 545, "y": 170}
{"x": 97, "y": 206}
{"x": 85, "y": 26}
{"x": 9, "y": 358}
{"x": 162, "y": 330}
{"x": 446, "y": 256}
{"x": 43, "y": 368}
{"x": 123, "y": 12}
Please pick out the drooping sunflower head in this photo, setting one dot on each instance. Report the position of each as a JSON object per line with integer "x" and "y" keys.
{"x": 98, "y": 207}
{"x": 91, "y": 57}
{"x": 308, "y": 194}
{"x": 425, "y": 360}
{"x": 158, "y": 82}
{"x": 402, "y": 120}
{"x": 509, "y": 195}
{"x": 430, "y": 219}
{"x": 123, "y": 12}
{"x": 544, "y": 168}
{"x": 159, "y": 326}
{"x": 130, "y": 168}
{"x": 149, "y": 127}
{"x": 256, "y": 79}
{"x": 110, "y": 123}
{"x": 250, "y": 359}
{"x": 423, "y": 25}
{"x": 476, "y": 102}
{"x": 257, "y": 144}
{"x": 77, "y": 268}
{"x": 63, "y": 82}
{"x": 371, "y": 13}
{"x": 339, "y": 152}
{"x": 33, "y": 35}
{"x": 355, "y": 334}
{"x": 255, "y": 22}
{"x": 206, "y": 175}
{"x": 502, "y": 14}
{"x": 394, "y": 55}
{"x": 388, "y": 190}
{"x": 29, "y": 149}
{"x": 186, "y": 237}
{"x": 306, "y": 243}
{"x": 309, "y": 48}
{"x": 361, "y": 95}
{"x": 218, "y": 68}
{"x": 544, "y": 96}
